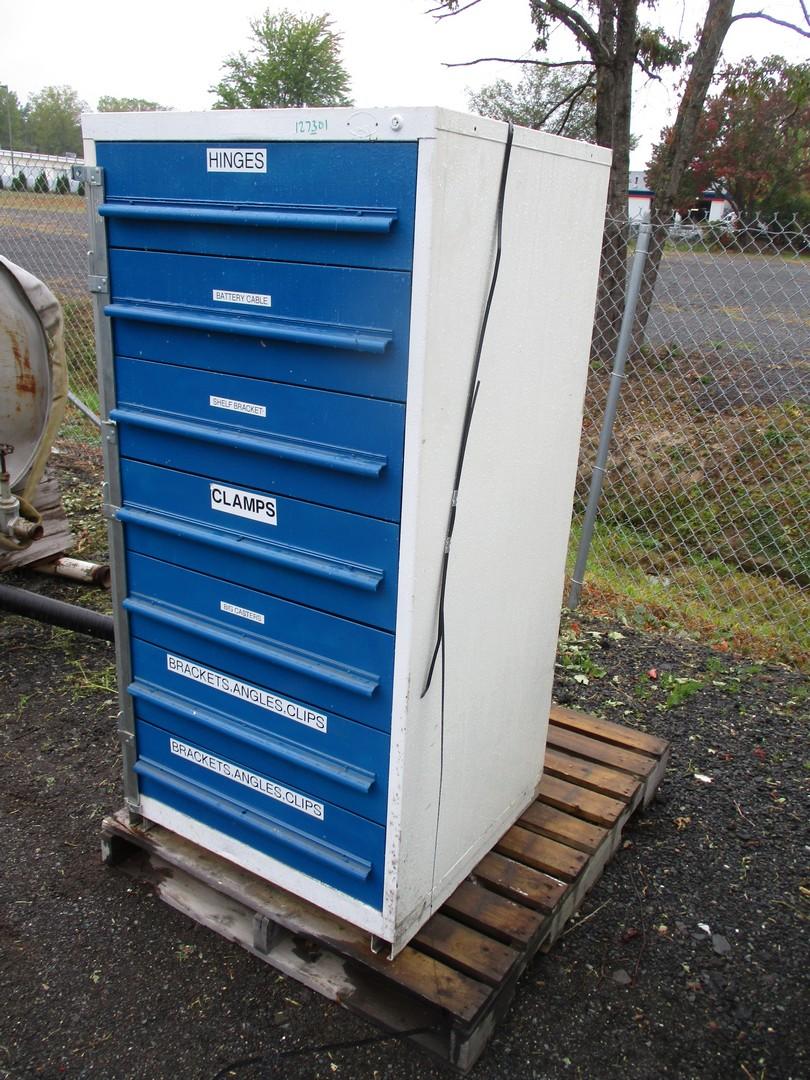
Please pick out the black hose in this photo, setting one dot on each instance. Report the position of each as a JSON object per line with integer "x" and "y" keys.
{"x": 56, "y": 612}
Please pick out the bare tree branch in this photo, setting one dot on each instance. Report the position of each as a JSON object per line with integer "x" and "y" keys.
{"x": 774, "y": 20}
{"x": 805, "y": 12}
{"x": 573, "y": 99}
{"x": 512, "y": 60}
{"x": 576, "y": 23}
{"x": 448, "y": 12}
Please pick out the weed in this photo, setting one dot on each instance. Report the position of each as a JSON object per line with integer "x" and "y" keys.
{"x": 678, "y": 690}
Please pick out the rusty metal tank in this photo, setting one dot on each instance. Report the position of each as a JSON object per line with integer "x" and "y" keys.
{"x": 33, "y": 375}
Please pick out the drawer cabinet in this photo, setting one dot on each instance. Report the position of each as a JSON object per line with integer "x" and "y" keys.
{"x": 289, "y": 306}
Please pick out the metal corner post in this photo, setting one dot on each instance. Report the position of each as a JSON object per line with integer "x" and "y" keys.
{"x": 617, "y": 376}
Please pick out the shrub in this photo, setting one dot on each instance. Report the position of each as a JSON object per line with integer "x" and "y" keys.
{"x": 19, "y": 182}
{"x": 41, "y": 185}
{"x": 80, "y": 188}
{"x": 62, "y": 185}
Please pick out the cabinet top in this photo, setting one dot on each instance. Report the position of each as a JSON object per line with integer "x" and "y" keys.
{"x": 321, "y": 125}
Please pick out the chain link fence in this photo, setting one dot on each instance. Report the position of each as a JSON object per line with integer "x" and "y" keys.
{"x": 704, "y": 522}
{"x": 43, "y": 228}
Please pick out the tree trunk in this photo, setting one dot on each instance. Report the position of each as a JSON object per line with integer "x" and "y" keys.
{"x": 678, "y": 151}
{"x": 617, "y": 33}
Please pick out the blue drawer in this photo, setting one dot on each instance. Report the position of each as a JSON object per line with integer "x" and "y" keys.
{"x": 339, "y": 665}
{"x": 343, "y": 761}
{"x": 161, "y": 196}
{"x": 327, "y": 448}
{"x": 317, "y": 556}
{"x": 231, "y": 795}
{"x": 331, "y": 327}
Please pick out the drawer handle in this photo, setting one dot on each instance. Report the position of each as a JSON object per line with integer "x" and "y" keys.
{"x": 313, "y": 667}
{"x": 267, "y": 551}
{"x": 340, "y": 772}
{"x": 300, "y": 333}
{"x": 283, "y": 217}
{"x": 328, "y": 457}
{"x": 242, "y": 815}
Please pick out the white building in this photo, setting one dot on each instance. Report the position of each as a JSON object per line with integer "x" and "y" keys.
{"x": 14, "y": 162}
{"x": 710, "y": 205}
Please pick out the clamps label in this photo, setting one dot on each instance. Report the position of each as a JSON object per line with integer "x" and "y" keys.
{"x": 246, "y": 504}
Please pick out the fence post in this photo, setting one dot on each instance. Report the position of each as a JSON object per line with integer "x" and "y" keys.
{"x": 617, "y": 375}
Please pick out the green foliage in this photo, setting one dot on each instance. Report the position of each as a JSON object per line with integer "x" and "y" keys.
{"x": 12, "y": 119}
{"x": 562, "y": 101}
{"x": 80, "y": 189}
{"x": 108, "y": 103}
{"x": 19, "y": 182}
{"x": 52, "y": 121}
{"x": 753, "y": 141}
{"x": 62, "y": 185}
{"x": 293, "y": 62}
{"x": 41, "y": 185}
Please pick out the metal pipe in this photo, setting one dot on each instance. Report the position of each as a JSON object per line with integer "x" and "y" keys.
{"x": 89, "y": 573}
{"x": 617, "y": 376}
{"x": 80, "y": 405}
{"x": 56, "y": 612}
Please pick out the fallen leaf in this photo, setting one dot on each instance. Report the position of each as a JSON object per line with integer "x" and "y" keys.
{"x": 621, "y": 977}
{"x": 630, "y": 933}
{"x": 703, "y": 778}
{"x": 682, "y": 822}
{"x": 653, "y": 673}
{"x": 760, "y": 754}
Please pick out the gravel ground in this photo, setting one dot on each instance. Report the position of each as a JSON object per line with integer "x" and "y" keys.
{"x": 688, "y": 959}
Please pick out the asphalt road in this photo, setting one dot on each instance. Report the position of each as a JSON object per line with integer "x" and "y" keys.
{"x": 748, "y": 316}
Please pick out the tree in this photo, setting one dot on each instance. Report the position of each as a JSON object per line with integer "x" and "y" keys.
{"x": 561, "y": 102}
{"x": 614, "y": 43}
{"x": 52, "y": 121}
{"x": 107, "y": 103}
{"x": 12, "y": 119}
{"x": 752, "y": 141}
{"x": 293, "y": 61}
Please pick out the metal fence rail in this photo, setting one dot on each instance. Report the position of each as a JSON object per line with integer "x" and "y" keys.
{"x": 704, "y": 520}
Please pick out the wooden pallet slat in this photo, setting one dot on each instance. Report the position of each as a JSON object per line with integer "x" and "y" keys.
{"x": 493, "y": 914}
{"x": 541, "y": 853}
{"x": 607, "y": 731}
{"x": 559, "y": 825}
{"x": 603, "y": 753}
{"x": 451, "y": 985}
{"x": 573, "y": 799}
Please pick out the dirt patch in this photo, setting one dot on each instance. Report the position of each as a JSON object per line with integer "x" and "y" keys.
{"x": 688, "y": 960}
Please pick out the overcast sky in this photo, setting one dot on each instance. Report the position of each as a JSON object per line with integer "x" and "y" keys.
{"x": 171, "y": 50}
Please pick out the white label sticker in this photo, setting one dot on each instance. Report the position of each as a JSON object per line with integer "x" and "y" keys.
{"x": 236, "y": 406}
{"x": 242, "y": 612}
{"x": 265, "y": 699}
{"x": 232, "y": 159}
{"x": 246, "y": 504}
{"x": 254, "y": 299}
{"x": 271, "y": 788}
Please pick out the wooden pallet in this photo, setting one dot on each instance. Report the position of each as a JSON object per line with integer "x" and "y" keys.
{"x": 451, "y": 985}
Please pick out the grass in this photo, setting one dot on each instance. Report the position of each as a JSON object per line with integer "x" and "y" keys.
{"x": 30, "y": 200}
{"x": 733, "y": 610}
